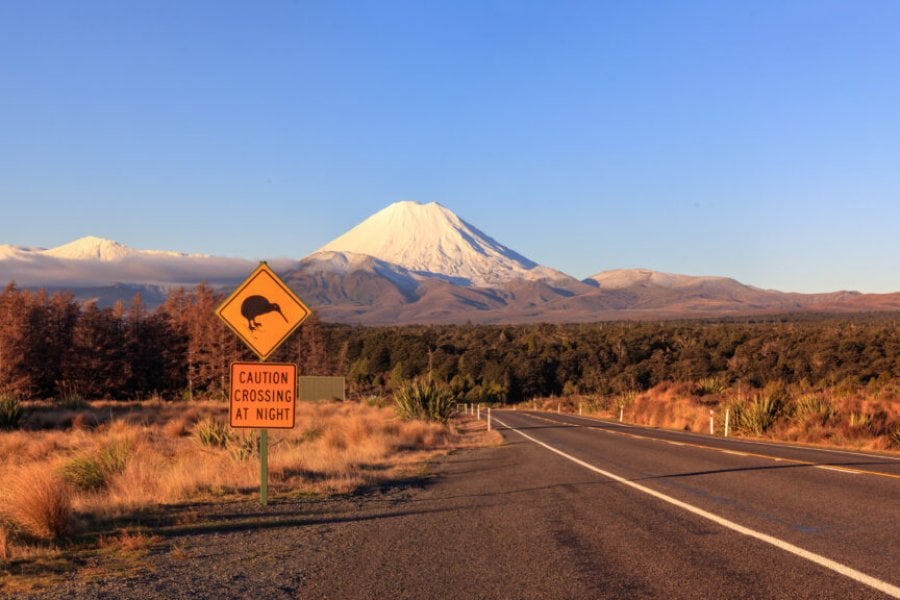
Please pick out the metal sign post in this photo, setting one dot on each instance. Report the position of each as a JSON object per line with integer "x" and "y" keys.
{"x": 263, "y": 312}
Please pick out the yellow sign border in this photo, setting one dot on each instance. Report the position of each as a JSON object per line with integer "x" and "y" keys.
{"x": 262, "y": 268}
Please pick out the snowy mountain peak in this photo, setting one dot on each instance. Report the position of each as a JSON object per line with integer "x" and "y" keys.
{"x": 91, "y": 248}
{"x": 430, "y": 239}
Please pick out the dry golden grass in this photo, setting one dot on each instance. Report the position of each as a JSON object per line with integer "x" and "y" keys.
{"x": 36, "y": 499}
{"x": 127, "y": 541}
{"x": 150, "y": 454}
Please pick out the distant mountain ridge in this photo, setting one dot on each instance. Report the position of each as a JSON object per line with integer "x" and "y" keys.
{"x": 418, "y": 263}
{"x": 99, "y": 269}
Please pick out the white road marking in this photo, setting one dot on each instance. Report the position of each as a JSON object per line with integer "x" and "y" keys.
{"x": 838, "y": 469}
{"x": 859, "y": 576}
{"x": 724, "y": 451}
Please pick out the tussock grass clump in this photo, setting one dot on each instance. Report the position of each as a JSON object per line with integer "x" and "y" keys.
{"x": 93, "y": 472}
{"x": 212, "y": 433}
{"x": 38, "y": 501}
{"x": 11, "y": 413}
{"x": 242, "y": 447}
{"x": 894, "y": 437}
{"x": 70, "y": 398}
{"x": 425, "y": 399}
{"x": 128, "y": 542}
{"x": 813, "y": 407}
{"x": 707, "y": 386}
{"x": 759, "y": 414}
{"x": 174, "y": 429}
{"x": 859, "y": 420}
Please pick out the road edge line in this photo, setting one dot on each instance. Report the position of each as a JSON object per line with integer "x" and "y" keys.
{"x": 858, "y": 576}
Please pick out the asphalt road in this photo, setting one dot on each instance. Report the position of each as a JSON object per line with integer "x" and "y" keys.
{"x": 793, "y": 501}
{"x": 578, "y": 509}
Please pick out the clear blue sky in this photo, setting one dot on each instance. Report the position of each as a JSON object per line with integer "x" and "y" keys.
{"x": 753, "y": 139}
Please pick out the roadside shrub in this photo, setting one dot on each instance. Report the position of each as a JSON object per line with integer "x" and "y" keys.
{"x": 813, "y": 406}
{"x": 425, "y": 399}
{"x": 757, "y": 415}
{"x": 11, "y": 412}
{"x": 93, "y": 472}
{"x": 69, "y": 397}
{"x": 376, "y": 401}
{"x": 242, "y": 448}
{"x": 39, "y": 502}
{"x": 626, "y": 399}
{"x": 859, "y": 420}
{"x": 880, "y": 424}
{"x": 212, "y": 433}
{"x": 894, "y": 437}
{"x": 709, "y": 385}
{"x": 489, "y": 393}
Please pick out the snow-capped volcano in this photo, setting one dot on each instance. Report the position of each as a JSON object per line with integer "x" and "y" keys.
{"x": 430, "y": 240}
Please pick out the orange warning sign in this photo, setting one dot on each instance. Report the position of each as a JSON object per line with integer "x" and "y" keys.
{"x": 263, "y": 311}
{"x": 263, "y": 395}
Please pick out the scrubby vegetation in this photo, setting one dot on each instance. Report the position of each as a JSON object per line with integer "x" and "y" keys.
{"x": 10, "y": 412}
{"x": 50, "y": 348}
{"x": 832, "y": 416}
{"x": 425, "y": 399}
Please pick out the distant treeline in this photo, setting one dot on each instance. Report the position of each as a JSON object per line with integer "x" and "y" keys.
{"x": 53, "y": 347}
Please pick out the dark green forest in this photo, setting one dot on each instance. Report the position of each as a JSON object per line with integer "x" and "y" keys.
{"x": 52, "y": 347}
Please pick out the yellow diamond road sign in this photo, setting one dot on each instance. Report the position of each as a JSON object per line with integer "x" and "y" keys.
{"x": 263, "y": 311}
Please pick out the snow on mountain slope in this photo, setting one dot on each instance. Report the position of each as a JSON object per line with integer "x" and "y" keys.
{"x": 345, "y": 263}
{"x": 93, "y": 261}
{"x": 646, "y": 289}
{"x": 91, "y": 248}
{"x": 430, "y": 240}
{"x": 625, "y": 278}
{"x": 8, "y": 251}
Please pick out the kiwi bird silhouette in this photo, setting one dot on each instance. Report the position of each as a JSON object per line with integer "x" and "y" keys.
{"x": 254, "y": 306}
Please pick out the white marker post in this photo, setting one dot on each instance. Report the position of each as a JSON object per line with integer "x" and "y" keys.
{"x": 727, "y": 414}
{"x": 489, "y": 418}
{"x": 711, "y": 423}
